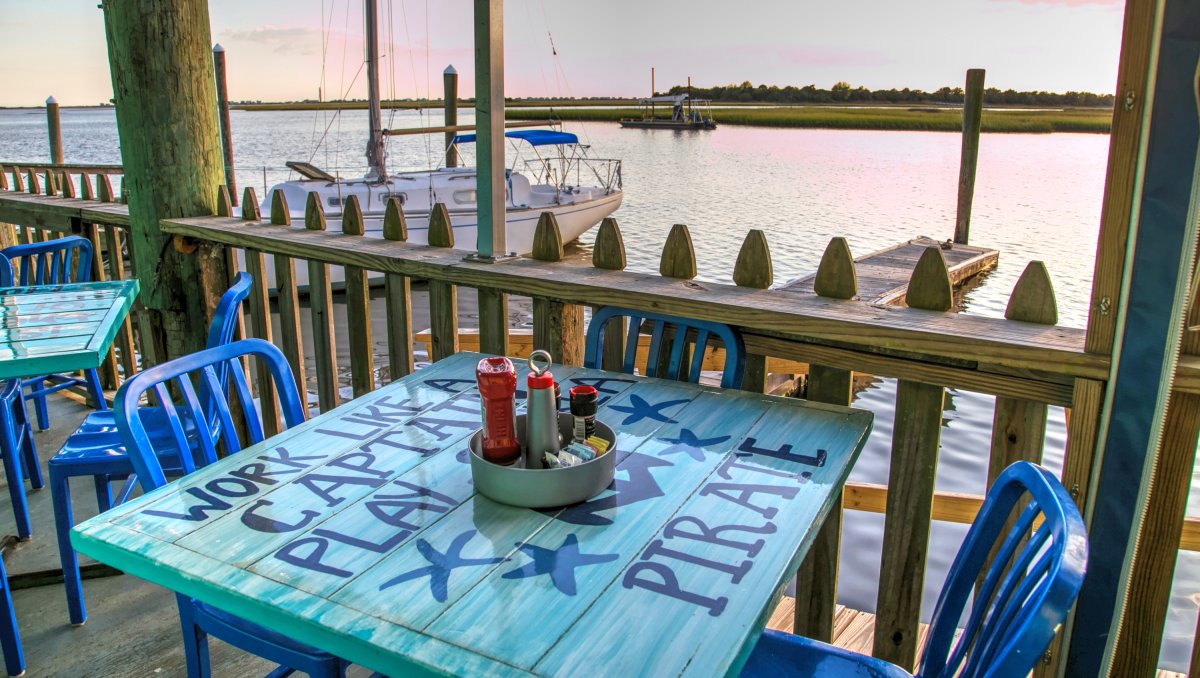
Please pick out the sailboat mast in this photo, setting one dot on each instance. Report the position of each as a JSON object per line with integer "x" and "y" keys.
{"x": 376, "y": 150}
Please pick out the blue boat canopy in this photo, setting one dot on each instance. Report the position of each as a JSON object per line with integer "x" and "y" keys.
{"x": 535, "y": 137}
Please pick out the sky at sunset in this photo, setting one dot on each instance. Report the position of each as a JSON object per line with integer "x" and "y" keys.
{"x": 291, "y": 49}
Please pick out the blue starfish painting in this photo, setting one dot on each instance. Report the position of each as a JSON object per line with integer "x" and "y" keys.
{"x": 639, "y": 409}
{"x": 441, "y": 564}
{"x": 559, "y": 563}
{"x": 688, "y": 442}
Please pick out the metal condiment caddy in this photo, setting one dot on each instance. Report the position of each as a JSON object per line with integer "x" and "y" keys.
{"x": 552, "y": 469}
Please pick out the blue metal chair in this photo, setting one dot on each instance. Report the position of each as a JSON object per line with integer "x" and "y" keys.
{"x": 16, "y": 441}
{"x": 684, "y": 331}
{"x": 16, "y": 438}
{"x": 199, "y": 619}
{"x": 1026, "y": 593}
{"x": 55, "y": 262}
{"x": 96, "y": 449}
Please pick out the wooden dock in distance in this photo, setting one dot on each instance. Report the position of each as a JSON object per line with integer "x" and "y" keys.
{"x": 883, "y": 276}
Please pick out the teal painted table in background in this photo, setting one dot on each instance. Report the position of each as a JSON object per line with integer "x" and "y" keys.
{"x": 359, "y": 532}
{"x": 60, "y": 328}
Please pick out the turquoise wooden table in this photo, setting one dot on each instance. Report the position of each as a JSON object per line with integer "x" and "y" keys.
{"x": 60, "y": 328}
{"x": 359, "y": 532}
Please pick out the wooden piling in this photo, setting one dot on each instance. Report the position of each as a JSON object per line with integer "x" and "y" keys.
{"x": 320, "y": 300}
{"x": 152, "y": 42}
{"x": 450, "y": 111}
{"x": 443, "y": 296}
{"x": 816, "y": 581}
{"x": 398, "y": 298}
{"x": 287, "y": 299}
{"x": 358, "y": 308}
{"x": 223, "y": 115}
{"x": 972, "y": 115}
{"x": 54, "y": 130}
{"x": 916, "y": 437}
{"x": 557, "y": 327}
{"x": 609, "y": 254}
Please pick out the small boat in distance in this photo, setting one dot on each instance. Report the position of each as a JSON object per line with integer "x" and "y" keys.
{"x": 686, "y": 113}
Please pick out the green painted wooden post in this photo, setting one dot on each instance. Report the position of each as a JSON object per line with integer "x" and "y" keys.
{"x": 398, "y": 297}
{"x": 916, "y": 437}
{"x": 358, "y": 308}
{"x": 557, "y": 327}
{"x": 609, "y": 254}
{"x": 491, "y": 240}
{"x": 443, "y": 296}
{"x": 753, "y": 269}
{"x": 152, "y": 42}
{"x": 287, "y": 299}
{"x": 320, "y": 299}
{"x": 18, "y": 184}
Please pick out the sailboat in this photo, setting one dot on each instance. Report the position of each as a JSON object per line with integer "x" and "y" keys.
{"x": 560, "y": 178}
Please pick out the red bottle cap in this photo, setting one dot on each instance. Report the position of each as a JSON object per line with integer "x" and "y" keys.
{"x": 543, "y": 380}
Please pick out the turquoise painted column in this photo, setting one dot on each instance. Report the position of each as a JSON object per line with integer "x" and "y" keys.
{"x": 491, "y": 240}
{"x": 1154, "y": 294}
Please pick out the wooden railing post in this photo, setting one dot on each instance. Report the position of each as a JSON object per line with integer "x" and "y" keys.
{"x": 51, "y": 183}
{"x": 678, "y": 260}
{"x": 753, "y": 269}
{"x": 916, "y": 437}
{"x": 609, "y": 254}
{"x": 320, "y": 300}
{"x": 66, "y": 187}
{"x": 18, "y": 184}
{"x": 398, "y": 294}
{"x": 816, "y": 582}
{"x": 557, "y": 327}
{"x": 287, "y": 299}
{"x": 358, "y": 308}
{"x": 109, "y": 377}
{"x": 260, "y": 315}
{"x": 443, "y": 296}
{"x": 33, "y": 183}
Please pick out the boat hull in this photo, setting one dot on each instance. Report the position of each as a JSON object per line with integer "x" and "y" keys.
{"x": 573, "y": 221}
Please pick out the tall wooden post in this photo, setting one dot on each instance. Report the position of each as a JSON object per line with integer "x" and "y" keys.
{"x": 223, "y": 112}
{"x": 491, "y": 240}
{"x": 972, "y": 114}
{"x": 450, "y": 106}
{"x": 159, "y": 53}
{"x": 54, "y": 128}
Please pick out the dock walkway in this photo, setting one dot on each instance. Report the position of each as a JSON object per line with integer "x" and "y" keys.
{"x": 883, "y": 276}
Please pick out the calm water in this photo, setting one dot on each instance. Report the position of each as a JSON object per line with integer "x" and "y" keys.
{"x": 1037, "y": 197}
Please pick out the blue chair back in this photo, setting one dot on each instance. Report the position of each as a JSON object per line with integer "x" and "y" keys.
{"x": 6, "y": 274}
{"x": 683, "y": 332}
{"x": 52, "y": 262}
{"x": 224, "y": 320}
{"x": 1027, "y": 590}
{"x": 188, "y": 411}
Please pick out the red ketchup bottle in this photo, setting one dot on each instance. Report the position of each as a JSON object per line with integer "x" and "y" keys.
{"x": 497, "y": 380}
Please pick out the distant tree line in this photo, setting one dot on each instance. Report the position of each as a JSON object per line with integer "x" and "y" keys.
{"x": 844, "y": 92}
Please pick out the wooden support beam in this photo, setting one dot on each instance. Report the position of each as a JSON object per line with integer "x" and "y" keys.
{"x": 443, "y": 295}
{"x": 358, "y": 308}
{"x": 557, "y": 327}
{"x": 916, "y": 438}
{"x": 320, "y": 300}
{"x": 491, "y": 237}
{"x": 398, "y": 297}
{"x": 972, "y": 115}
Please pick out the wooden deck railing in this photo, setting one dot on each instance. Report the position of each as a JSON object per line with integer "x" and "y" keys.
{"x": 1025, "y": 360}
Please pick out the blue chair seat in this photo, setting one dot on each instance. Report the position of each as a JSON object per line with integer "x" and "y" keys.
{"x": 213, "y": 618}
{"x": 782, "y": 654}
{"x": 96, "y": 449}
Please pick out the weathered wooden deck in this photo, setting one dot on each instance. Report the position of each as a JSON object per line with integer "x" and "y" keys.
{"x": 883, "y": 276}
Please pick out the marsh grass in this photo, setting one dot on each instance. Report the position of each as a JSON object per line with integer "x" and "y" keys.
{"x": 1096, "y": 121}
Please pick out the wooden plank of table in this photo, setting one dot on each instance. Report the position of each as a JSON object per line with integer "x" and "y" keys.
{"x": 770, "y": 502}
